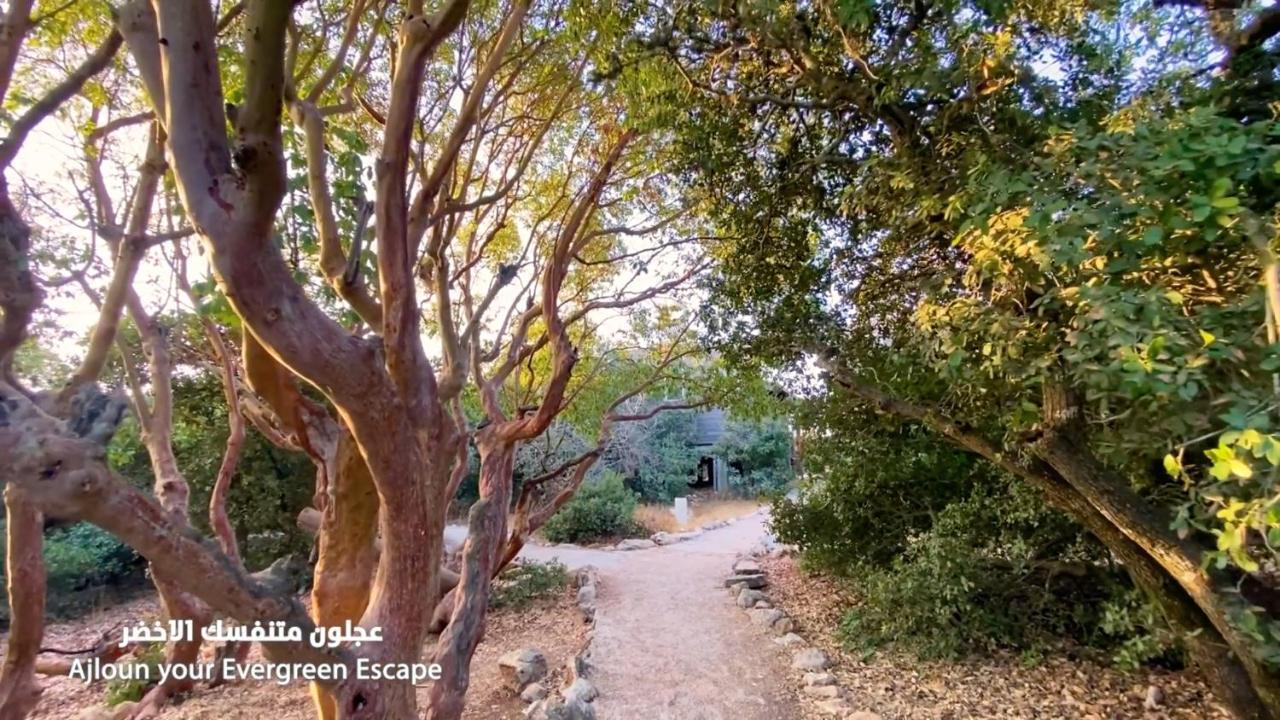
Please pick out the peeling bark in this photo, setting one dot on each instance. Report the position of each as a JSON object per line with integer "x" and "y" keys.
{"x": 24, "y": 572}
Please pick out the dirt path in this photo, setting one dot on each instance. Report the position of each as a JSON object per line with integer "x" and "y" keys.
{"x": 670, "y": 646}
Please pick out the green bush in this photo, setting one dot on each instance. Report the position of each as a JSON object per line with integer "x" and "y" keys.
{"x": 520, "y": 585}
{"x": 122, "y": 691}
{"x": 948, "y": 556}
{"x": 758, "y": 455}
{"x": 600, "y": 509}
{"x": 83, "y": 556}
{"x": 977, "y": 582}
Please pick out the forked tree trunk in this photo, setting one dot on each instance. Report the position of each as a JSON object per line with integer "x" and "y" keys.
{"x": 486, "y": 529}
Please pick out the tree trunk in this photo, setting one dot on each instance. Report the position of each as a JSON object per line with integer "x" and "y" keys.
{"x": 1064, "y": 448}
{"x": 347, "y": 555}
{"x": 24, "y": 570}
{"x": 1237, "y": 680}
{"x": 485, "y": 532}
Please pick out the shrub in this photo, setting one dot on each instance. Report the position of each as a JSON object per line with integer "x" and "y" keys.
{"x": 83, "y": 556}
{"x": 520, "y": 585}
{"x": 950, "y": 557}
{"x": 758, "y": 455}
{"x": 122, "y": 691}
{"x": 600, "y": 509}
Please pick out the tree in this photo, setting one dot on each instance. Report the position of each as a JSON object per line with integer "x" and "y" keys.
{"x": 881, "y": 171}
{"x": 504, "y": 184}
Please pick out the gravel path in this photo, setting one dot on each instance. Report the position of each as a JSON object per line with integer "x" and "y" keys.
{"x": 670, "y": 645}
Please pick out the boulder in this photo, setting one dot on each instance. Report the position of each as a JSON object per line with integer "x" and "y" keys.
{"x": 747, "y": 566}
{"x": 784, "y": 625}
{"x": 819, "y": 678}
{"x": 533, "y": 692}
{"x": 1154, "y": 698}
{"x": 581, "y": 690}
{"x": 755, "y": 582}
{"x": 748, "y": 598}
{"x": 523, "y": 666}
{"x": 585, "y": 575}
{"x": 664, "y": 538}
{"x": 810, "y": 659}
{"x": 789, "y": 640}
{"x": 765, "y": 617}
{"x": 822, "y": 691}
{"x": 836, "y": 707}
{"x": 636, "y": 544}
{"x": 572, "y": 710}
{"x": 587, "y": 601}
{"x": 763, "y": 604}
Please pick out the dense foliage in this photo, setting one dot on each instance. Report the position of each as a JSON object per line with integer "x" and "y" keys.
{"x": 758, "y": 455}
{"x": 1043, "y": 232}
{"x": 269, "y": 488}
{"x": 947, "y": 556}
{"x": 603, "y": 508}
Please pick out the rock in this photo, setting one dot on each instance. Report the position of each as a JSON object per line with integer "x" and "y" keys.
{"x": 822, "y": 691}
{"x": 811, "y": 659}
{"x": 581, "y": 690}
{"x": 763, "y": 605}
{"x": 1155, "y": 698}
{"x": 765, "y": 617}
{"x": 579, "y": 667}
{"x": 575, "y": 710}
{"x": 755, "y": 582}
{"x": 736, "y": 588}
{"x": 748, "y": 598}
{"x": 784, "y": 625}
{"x": 789, "y": 640}
{"x": 533, "y": 692}
{"x": 585, "y": 575}
{"x": 747, "y": 567}
{"x": 863, "y": 715}
{"x": 819, "y": 678}
{"x": 664, "y": 538}
{"x": 587, "y": 601}
{"x": 836, "y": 707}
{"x": 524, "y": 666}
{"x": 636, "y": 544}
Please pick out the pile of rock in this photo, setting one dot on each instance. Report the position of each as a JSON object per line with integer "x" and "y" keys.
{"x": 747, "y": 583}
{"x": 525, "y": 670}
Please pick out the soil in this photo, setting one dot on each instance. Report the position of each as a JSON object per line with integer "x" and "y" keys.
{"x": 670, "y": 644}
{"x": 904, "y": 688}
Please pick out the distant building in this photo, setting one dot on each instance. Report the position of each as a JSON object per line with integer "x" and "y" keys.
{"x": 713, "y": 472}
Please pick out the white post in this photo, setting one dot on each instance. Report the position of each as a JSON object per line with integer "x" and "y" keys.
{"x": 681, "y": 510}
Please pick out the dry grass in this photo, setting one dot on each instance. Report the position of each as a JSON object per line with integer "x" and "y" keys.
{"x": 659, "y": 518}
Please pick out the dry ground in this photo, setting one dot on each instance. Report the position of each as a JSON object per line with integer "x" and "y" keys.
{"x": 900, "y": 688}
{"x": 702, "y": 510}
{"x": 552, "y": 625}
